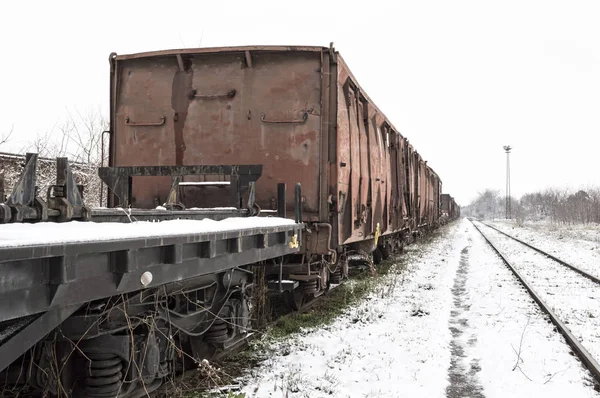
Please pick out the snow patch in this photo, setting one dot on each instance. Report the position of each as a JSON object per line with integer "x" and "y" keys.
{"x": 12, "y": 235}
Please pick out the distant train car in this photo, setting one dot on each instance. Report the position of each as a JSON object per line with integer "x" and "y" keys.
{"x": 449, "y": 210}
{"x": 297, "y": 111}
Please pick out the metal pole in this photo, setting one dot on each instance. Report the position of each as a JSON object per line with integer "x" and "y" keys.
{"x": 507, "y": 148}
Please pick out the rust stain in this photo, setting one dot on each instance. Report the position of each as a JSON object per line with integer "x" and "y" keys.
{"x": 180, "y": 101}
{"x": 299, "y": 138}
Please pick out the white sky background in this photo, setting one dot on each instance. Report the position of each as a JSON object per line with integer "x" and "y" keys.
{"x": 460, "y": 79}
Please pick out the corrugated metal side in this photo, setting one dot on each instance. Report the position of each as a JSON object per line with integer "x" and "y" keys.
{"x": 364, "y": 163}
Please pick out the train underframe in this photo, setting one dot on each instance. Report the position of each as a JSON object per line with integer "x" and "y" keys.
{"x": 125, "y": 346}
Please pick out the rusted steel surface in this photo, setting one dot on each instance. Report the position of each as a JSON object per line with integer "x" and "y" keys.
{"x": 273, "y": 119}
{"x": 245, "y": 51}
{"x": 298, "y": 111}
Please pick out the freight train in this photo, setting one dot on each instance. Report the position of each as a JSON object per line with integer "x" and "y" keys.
{"x": 203, "y": 145}
{"x": 450, "y": 209}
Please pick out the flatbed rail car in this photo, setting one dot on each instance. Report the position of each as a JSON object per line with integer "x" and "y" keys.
{"x": 299, "y": 112}
{"x": 94, "y": 308}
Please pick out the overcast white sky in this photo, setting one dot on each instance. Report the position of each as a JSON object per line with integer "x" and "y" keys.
{"x": 460, "y": 79}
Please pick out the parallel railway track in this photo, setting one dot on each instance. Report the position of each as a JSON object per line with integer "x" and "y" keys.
{"x": 576, "y": 345}
{"x": 558, "y": 260}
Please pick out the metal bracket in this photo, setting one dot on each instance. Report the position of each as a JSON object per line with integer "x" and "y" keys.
{"x": 129, "y": 123}
{"x": 64, "y": 199}
{"x": 230, "y": 94}
{"x": 264, "y": 119}
{"x": 120, "y": 179}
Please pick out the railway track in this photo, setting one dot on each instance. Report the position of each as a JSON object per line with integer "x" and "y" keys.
{"x": 558, "y": 260}
{"x": 552, "y": 288}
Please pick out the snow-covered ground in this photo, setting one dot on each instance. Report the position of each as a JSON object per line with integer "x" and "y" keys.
{"x": 455, "y": 323}
{"x": 576, "y": 244}
{"x": 573, "y": 297}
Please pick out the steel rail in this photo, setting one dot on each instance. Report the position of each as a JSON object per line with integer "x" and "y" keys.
{"x": 590, "y": 363}
{"x": 558, "y": 260}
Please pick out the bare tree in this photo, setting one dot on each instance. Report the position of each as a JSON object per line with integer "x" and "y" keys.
{"x": 5, "y": 137}
{"x": 79, "y": 138}
{"x": 84, "y": 135}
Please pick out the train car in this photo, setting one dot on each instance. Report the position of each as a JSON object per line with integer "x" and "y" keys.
{"x": 300, "y": 113}
{"x": 449, "y": 209}
{"x": 455, "y": 210}
{"x": 211, "y": 133}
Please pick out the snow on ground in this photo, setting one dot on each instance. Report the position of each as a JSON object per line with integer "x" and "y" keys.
{"x": 506, "y": 321}
{"x": 46, "y": 233}
{"x": 450, "y": 325}
{"x": 365, "y": 352}
{"x": 571, "y": 296}
{"x": 576, "y": 244}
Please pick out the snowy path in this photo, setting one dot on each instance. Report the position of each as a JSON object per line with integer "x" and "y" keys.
{"x": 463, "y": 374}
{"x": 455, "y": 324}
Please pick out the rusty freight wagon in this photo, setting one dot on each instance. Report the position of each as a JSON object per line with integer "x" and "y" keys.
{"x": 450, "y": 210}
{"x": 295, "y": 114}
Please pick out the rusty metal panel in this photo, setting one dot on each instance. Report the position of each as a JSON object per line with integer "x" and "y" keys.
{"x": 396, "y": 194}
{"x": 403, "y": 178}
{"x": 325, "y": 131}
{"x": 445, "y": 198}
{"x": 355, "y": 198}
{"x": 366, "y": 158}
{"x": 429, "y": 195}
{"x": 198, "y": 107}
{"x": 344, "y": 162}
{"x": 365, "y": 170}
{"x": 423, "y": 188}
{"x": 394, "y": 185}
{"x": 376, "y": 171}
{"x": 436, "y": 183}
{"x": 411, "y": 185}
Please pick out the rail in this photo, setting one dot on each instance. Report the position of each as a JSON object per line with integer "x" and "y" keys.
{"x": 590, "y": 363}
{"x": 558, "y": 260}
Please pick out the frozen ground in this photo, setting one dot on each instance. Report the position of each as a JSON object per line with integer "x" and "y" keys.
{"x": 454, "y": 324}
{"x": 575, "y": 244}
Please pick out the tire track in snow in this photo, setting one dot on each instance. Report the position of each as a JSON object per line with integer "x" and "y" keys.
{"x": 462, "y": 372}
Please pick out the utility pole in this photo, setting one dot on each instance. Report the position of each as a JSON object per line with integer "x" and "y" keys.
{"x": 507, "y": 148}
